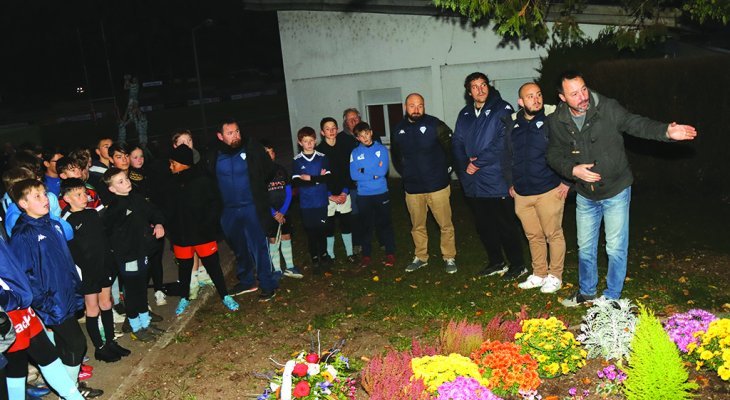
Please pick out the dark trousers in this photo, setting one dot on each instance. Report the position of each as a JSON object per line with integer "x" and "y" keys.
{"x": 375, "y": 212}
{"x": 315, "y": 225}
{"x": 498, "y": 228}
{"x": 155, "y": 268}
{"x": 135, "y": 293}
{"x": 41, "y": 350}
{"x": 247, "y": 239}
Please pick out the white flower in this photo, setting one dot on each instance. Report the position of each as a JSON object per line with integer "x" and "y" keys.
{"x": 312, "y": 369}
{"x": 331, "y": 370}
{"x": 273, "y": 386}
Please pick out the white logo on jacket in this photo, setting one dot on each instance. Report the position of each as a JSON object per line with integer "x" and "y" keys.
{"x": 402, "y": 132}
{"x": 243, "y": 156}
{"x": 422, "y": 129}
{"x": 361, "y": 157}
{"x": 40, "y": 237}
{"x": 538, "y": 124}
{"x": 377, "y": 154}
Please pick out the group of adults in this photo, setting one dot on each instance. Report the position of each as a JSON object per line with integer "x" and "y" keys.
{"x": 514, "y": 167}
{"x": 523, "y": 164}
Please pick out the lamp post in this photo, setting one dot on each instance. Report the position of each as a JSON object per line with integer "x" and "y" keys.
{"x": 206, "y": 23}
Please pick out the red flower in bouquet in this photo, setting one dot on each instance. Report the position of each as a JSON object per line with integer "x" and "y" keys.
{"x": 300, "y": 370}
{"x": 301, "y": 389}
{"x": 312, "y": 358}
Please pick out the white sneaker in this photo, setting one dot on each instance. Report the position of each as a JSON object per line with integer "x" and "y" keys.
{"x": 194, "y": 287}
{"x": 552, "y": 284}
{"x": 532, "y": 281}
{"x": 160, "y": 298}
{"x": 118, "y": 318}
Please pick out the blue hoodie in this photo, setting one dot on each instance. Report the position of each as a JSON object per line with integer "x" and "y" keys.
{"x": 368, "y": 167}
{"x": 41, "y": 249}
{"x": 15, "y": 291}
{"x": 12, "y": 213}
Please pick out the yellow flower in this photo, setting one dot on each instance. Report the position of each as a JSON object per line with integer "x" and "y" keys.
{"x": 564, "y": 368}
{"x": 552, "y": 369}
{"x": 724, "y": 372}
{"x": 706, "y": 355}
{"x": 691, "y": 346}
{"x": 541, "y": 358}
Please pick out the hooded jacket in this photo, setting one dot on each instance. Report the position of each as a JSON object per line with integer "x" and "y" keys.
{"x": 482, "y": 136}
{"x": 601, "y": 142}
{"x": 15, "y": 291}
{"x": 40, "y": 248}
{"x": 192, "y": 208}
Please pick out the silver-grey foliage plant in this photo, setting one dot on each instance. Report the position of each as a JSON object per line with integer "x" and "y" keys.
{"x": 608, "y": 328}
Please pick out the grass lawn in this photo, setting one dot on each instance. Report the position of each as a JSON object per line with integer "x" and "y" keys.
{"x": 677, "y": 261}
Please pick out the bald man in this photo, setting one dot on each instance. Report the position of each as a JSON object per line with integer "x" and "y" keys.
{"x": 537, "y": 190}
{"x": 421, "y": 153}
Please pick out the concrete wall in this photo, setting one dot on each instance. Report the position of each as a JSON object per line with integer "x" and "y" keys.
{"x": 332, "y": 59}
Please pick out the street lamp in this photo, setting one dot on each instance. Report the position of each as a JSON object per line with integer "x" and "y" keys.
{"x": 206, "y": 23}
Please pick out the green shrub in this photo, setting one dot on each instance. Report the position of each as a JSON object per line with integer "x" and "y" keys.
{"x": 656, "y": 370}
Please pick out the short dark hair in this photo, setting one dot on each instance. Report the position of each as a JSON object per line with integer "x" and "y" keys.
{"x": 22, "y": 188}
{"x": 361, "y": 126}
{"x": 81, "y": 156}
{"x": 472, "y": 77}
{"x": 227, "y": 121}
{"x": 49, "y": 153}
{"x": 180, "y": 132}
{"x": 110, "y": 174}
{"x": 101, "y": 139}
{"x": 70, "y": 184}
{"x": 326, "y": 120}
{"x": 566, "y": 76}
{"x": 306, "y": 131}
{"x": 120, "y": 147}
{"x": 15, "y": 175}
{"x": 65, "y": 163}
{"x": 26, "y": 159}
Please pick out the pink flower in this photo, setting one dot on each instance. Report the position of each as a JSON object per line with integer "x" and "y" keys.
{"x": 312, "y": 358}
{"x": 300, "y": 370}
{"x": 301, "y": 389}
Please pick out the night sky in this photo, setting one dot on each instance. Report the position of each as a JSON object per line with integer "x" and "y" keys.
{"x": 46, "y": 44}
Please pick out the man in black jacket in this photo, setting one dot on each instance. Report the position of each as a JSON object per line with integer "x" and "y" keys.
{"x": 586, "y": 145}
{"x": 421, "y": 153}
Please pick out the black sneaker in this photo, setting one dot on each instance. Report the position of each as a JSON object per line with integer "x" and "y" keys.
{"x": 143, "y": 335}
{"x": 107, "y": 354}
{"x": 493, "y": 269}
{"x": 577, "y": 299}
{"x": 352, "y": 259}
{"x": 514, "y": 273}
{"x": 265, "y": 296}
{"x": 126, "y": 327}
{"x": 89, "y": 392}
{"x": 112, "y": 344}
{"x": 155, "y": 330}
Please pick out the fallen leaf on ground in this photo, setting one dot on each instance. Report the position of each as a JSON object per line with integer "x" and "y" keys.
{"x": 682, "y": 279}
{"x": 413, "y": 286}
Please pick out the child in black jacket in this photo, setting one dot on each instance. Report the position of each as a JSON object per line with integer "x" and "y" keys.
{"x": 132, "y": 226}
{"x": 91, "y": 253}
{"x": 192, "y": 207}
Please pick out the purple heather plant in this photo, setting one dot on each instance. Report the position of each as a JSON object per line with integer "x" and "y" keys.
{"x": 682, "y": 326}
{"x": 463, "y": 388}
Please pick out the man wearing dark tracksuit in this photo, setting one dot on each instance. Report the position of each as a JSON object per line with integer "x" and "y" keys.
{"x": 243, "y": 169}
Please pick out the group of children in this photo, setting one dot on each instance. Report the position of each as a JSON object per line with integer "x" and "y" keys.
{"x": 326, "y": 175}
{"x": 77, "y": 229}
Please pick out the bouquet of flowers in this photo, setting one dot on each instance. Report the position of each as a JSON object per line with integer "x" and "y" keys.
{"x": 507, "y": 368}
{"x": 438, "y": 369}
{"x": 552, "y": 345}
{"x": 682, "y": 327}
{"x": 311, "y": 375}
{"x": 712, "y": 350}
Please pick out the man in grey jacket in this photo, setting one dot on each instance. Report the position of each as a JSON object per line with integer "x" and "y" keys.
{"x": 586, "y": 145}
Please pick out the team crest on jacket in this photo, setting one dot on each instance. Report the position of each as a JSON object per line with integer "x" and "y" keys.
{"x": 422, "y": 129}
{"x": 539, "y": 124}
{"x": 402, "y": 132}
{"x": 377, "y": 154}
{"x": 486, "y": 114}
{"x": 40, "y": 237}
{"x": 243, "y": 156}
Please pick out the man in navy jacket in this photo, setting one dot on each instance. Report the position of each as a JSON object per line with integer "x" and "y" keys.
{"x": 420, "y": 147}
{"x": 478, "y": 146}
{"x": 538, "y": 192}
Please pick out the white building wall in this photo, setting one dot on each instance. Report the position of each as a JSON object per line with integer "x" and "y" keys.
{"x": 330, "y": 58}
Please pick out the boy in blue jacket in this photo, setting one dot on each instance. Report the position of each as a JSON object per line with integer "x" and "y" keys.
{"x": 16, "y": 296}
{"x": 368, "y": 167}
{"x": 40, "y": 246}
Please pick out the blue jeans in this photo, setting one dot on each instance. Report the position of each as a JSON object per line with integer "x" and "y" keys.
{"x": 614, "y": 212}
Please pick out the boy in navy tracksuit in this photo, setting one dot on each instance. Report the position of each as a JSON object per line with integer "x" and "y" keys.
{"x": 40, "y": 247}
{"x": 310, "y": 172}
{"x": 16, "y": 296}
{"x": 368, "y": 167}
